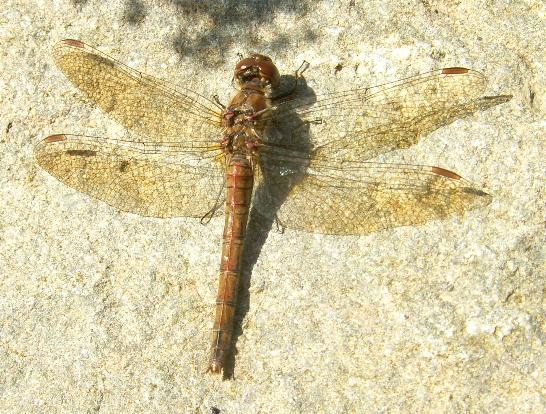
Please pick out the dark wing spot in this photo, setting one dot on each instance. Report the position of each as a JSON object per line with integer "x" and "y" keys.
{"x": 10, "y": 124}
{"x": 338, "y": 68}
{"x": 54, "y": 138}
{"x": 474, "y": 191}
{"x": 82, "y": 153}
{"x": 454, "y": 71}
{"x": 72, "y": 42}
{"x": 503, "y": 98}
{"x": 446, "y": 173}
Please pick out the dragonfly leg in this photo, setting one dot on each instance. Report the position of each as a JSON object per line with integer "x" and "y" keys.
{"x": 217, "y": 100}
{"x": 207, "y": 217}
{"x": 279, "y": 225}
{"x": 303, "y": 67}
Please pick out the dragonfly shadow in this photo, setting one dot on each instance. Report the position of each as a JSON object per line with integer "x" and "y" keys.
{"x": 134, "y": 13}
{"x": 276, "y": 183}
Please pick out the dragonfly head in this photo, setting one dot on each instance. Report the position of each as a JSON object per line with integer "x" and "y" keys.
{"x": 257, "y": 67}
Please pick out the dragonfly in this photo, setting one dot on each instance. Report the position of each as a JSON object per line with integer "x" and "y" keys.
{"x": 304, "y": 160}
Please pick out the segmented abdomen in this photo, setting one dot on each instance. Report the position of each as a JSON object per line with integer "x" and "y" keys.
{"x": 239, "y": 182}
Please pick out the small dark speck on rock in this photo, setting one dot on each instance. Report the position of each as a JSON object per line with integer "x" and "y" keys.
{"x": 123, "y": 165}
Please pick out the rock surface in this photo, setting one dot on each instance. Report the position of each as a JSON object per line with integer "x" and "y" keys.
{"x": 108, "y": 312}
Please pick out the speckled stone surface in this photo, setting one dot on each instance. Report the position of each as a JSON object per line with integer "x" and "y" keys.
{"x": 102, "y": 311}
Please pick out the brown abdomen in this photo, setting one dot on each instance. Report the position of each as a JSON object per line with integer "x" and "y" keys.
{"x": 239, "y": 182}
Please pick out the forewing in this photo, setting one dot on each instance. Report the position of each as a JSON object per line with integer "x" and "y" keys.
{"x": 143, "y": 104}
{"x": 359, "y": 198}
{"x": 146, "y": 179}
{"x": 360, "y": 124}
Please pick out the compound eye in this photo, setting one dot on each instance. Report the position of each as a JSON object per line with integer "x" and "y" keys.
{"x": 268, "y": 70}
{"x": 257, "y": 66}
{"x": 244, "y": 64}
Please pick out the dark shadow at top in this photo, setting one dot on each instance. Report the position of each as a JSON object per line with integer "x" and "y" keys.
{"x": 79, "y": 3}
{"x": 209, "y": 29}
{"x": 234, "y": 12}
{"x": 234, "y": 22}
{"x": 135, "y": 12}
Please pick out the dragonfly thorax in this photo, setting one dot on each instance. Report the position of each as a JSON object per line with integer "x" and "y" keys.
{"x": 241, "y": 139}
{"x": 246, "y": 103}
{"x": 245, "y": 111}
{"x": 238, "y": 143}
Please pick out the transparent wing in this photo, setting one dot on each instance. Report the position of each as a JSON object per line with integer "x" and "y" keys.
{"x": 143, "y": 104}
{"x": 146, "y": 179}
{"x": 326, "y": 196}
{"x": 362, "y": 123}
